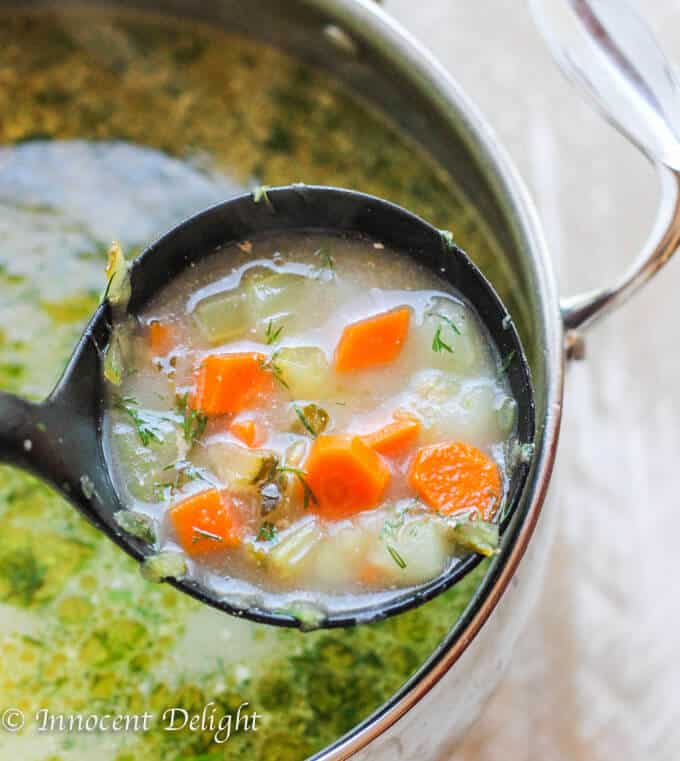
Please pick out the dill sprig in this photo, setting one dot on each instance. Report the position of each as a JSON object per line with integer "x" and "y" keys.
{"x": 143, "y": 424}
{"x": 438, "y": 343}
{"x": 270, "y": 364}
{"x": 447, "y": 320}
{"x": 398, "y": 559}
{"x": 308, "y": 494}
{"x": 327, "y": 262}
{"x": 303, "y": 419}
{"x": 267, "y": 532}
{"x": 272, "y": 334}
{"x": 193, "y": 421}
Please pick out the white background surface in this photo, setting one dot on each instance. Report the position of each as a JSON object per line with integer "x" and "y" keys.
{"x": 597, "y": 674}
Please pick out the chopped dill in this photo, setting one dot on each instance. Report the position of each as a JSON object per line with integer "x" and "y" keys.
{"x": 270, "y": 364}
{"x": 267, "y": 532}
{"x": 327, "y": 262}
{"x": 447, "y": 320}
{"x": 438, "y": 344}
{"x": 305, "y": 423}
{"x": 185, "y": 472}
{"x": 145, "y": 430}
{"x": 272, "y": 334}
{"x": 193, "y": 422}
{"x": 301, "y": 476}
{"x": 398, "y": 559}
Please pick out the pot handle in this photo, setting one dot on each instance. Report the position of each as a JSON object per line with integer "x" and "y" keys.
{"x": 608, "y": 50}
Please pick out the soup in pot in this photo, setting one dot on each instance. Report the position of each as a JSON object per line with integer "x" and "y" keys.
{"x": 116, "y": 126}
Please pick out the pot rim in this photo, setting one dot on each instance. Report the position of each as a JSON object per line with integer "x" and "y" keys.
{"x": 373, "y": 28}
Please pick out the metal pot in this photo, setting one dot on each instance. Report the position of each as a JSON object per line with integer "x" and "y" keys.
{"x": 366, "y": 49}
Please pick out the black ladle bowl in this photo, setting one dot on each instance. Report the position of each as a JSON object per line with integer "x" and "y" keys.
{"x": 61, "y": 439}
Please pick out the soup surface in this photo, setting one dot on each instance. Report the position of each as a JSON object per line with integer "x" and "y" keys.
{"x": 115, "y": 127}
{"x": 310, "y": 419}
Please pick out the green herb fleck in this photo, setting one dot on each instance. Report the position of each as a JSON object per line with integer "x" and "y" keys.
{"x": 447, "y": 320}
{"x": 194, "y": 422}
{"x": 267, "y": 532}
{"x": 327, "y": 262}
{"x": 438, "y": 344}
{"x": 305, "y": 423}
{"x": 398, "y": 559}
{"x": 505, "y": 364}
{"x": 272, "y": 334}
{"x": 143, "y": 424}
{"x": 270, "y": 364}
{"x": 301, "y": 476}
{"x": 24, "y": 574}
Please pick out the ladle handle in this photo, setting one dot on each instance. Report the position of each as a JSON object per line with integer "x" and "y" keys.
{"x": 32, "y": 437}
{"x": 607, "y": 49}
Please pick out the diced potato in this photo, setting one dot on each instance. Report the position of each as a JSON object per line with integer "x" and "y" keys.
{"x": 338, "y": 558}
{"x": 305, "y": 370}
{"x": 417, "y": 552}
{"x": 439, "y": 336}
{"x": 450, "y": 411}
{"x": 223, "y": 316}
{"x": 293, "y": 546}
{"x": 239, "y": 468}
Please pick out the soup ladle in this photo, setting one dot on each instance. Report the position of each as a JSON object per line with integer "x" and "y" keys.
{"x": 62, "y": 439}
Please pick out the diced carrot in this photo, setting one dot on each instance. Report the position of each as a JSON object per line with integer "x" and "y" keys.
{"x": 162, "y": 338}
{"x": 248, "y": 430}
{"x": 345, "y": 476}
{"x": 454, "y": 476}
{"x": 394, "y": 438}
{"x": 206, "y": 523}
{"x": 229, "y": 383}
{"x": 375, "y": 341}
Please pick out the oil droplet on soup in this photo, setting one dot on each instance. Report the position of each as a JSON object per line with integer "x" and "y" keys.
{"x": 311, "y": 419}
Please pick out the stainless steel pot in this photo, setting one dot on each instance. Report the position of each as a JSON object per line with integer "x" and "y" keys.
{"x": 366, "y": 49}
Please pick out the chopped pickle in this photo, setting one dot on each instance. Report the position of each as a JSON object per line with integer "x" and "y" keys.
{"x": 293, "y": 546}
{"x": 240, "y": 468}
{"x": 305, "y": 370}
{"x": 164, "y": 565}
{"x": 113, "y": 360}
{"x": 276, "y": 294}
{"x": 118, "y": 287}
{"x": 137, "y": 524}
{"x": 310, "y": 419}
{"x": 479, "y": 536}
{"x": 223, "y": 316}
